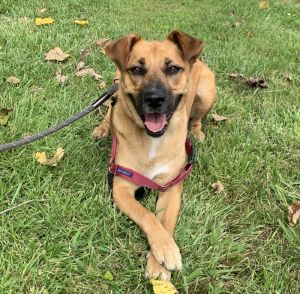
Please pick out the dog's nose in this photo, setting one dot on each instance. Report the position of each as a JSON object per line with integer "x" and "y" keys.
{"x": 154, "y": 96}
{"x": 155, "y": 101}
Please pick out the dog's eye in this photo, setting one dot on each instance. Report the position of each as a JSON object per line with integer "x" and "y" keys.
{"x": 137, "y": 71}
{"x": 173, "y": 70}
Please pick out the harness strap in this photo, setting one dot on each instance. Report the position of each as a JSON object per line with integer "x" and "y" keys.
{"x": 140, "y": 180}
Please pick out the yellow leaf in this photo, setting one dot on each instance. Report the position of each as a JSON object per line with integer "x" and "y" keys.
{"x": 82, "y": 22}
{"x": 163, "y": 287}
{"x": 41, "y": 157}
{"x": 263, "y": 4}
{"x": 43, "y": 21}
{"x": 108, "y": 276}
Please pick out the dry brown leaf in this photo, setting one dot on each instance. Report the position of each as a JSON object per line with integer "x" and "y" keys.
{"x": 294, "y": 213}
{"x": 236, "y": 24}
{"x": 81, "y": 71}
{"x": 252, "y": 82}
{"x": 84, "y": 53}
{"x": 217, "y": 187}
{"x": 97, "y": 77}
{"x": 80, "y": 66}
{"x": 288, "y": 79}
{"x": 263, "y": 4}
{"x": 35, "y": 88}
{"x": 59, "y": 77}
{"x": 5, "y": 114}
{"x": 256, "y": 82}
{"x": 85, "y": 72}
{"x": 102, "y": 85}
{"x": 56, "y": 54}
{"x": 218, "y": 118}
{"x": 41, "y": 157}
{"x": 43, "y": 21}
{"x": 81, "y": 22}
{"x": 13, "y": 80}
{"x": 101, "y": 43}
{"x": 42, "y": 10}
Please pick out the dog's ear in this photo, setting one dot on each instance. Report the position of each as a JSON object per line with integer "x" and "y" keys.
{"x": 118, "y": 51}
{"x": 190, "y": 46}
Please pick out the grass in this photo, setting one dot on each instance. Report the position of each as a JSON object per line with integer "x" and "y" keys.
{"x": 67, "y": 235}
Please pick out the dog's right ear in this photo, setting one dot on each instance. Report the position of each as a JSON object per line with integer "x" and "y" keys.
{"x": 118, "y": 51}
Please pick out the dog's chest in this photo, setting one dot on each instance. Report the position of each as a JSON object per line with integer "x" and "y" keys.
{"x": 158, "y": 167}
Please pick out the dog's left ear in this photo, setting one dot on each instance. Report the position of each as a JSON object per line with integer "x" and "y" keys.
{"x": 190, "y": 46}
{"x": 118, "y": 51}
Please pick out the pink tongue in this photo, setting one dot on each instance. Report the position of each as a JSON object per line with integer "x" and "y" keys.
{"x": 155, "y": 122}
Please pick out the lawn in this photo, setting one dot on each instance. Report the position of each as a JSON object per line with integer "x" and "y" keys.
{"x": 66, "y": 237}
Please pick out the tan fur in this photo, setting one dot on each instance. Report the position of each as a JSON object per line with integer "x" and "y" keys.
{"x": 160, "y": 158}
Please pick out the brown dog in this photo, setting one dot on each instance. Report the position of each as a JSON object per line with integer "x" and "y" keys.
{"x": 163, "y": 87}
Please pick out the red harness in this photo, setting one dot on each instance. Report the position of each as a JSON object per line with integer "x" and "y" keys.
{"x": 140, "y": 180}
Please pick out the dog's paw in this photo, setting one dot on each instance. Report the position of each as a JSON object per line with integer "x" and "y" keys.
{"x": 155, "y": 270}
{"x": 199, "y": 135}
{"x": 101, "y": 131}
{"x": 166, "y": 251}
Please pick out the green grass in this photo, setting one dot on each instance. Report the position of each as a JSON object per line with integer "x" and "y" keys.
{"x": 69, "y": 235}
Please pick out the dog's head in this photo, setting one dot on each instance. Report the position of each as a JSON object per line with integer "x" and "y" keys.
{"x": 154, "y": 75}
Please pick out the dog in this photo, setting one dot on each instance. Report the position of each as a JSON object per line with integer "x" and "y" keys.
{"x": 164, "y": 89}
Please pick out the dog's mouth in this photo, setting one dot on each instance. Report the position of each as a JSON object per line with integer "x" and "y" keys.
{"x": 156, "y": 123}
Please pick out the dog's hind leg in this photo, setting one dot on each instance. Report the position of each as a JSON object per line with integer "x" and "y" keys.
{"x": 203, "y": 102}
{"x": 167, "y": 209}
{"x": 103, "y": 129}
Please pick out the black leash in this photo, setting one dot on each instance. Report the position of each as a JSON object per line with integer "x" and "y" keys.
{"x": 67, "y": 122}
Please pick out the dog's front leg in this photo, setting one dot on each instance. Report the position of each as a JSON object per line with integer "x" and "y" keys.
{"x": 167, "y": 209}
{"x": 103, "y": 129}
{"x": 163, "y": 246}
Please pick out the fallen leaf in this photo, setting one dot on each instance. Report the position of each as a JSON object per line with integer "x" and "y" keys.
{"x": 13, "y": 80}
{"x": 85, "y": 72}
{"x": 35, "y": 88}
{"x": 82, "y": 22}
{"x": 80, "y": 66}
{"x": 287, "y": 79}
{"x": 59, "y": 77}
{"x": 42, "y": 10}
{"x": 256, "y": 82}
{"x": 101, "y": 43}
{"x": 97, "y": 77}
{"x": 56, "y": 54}
{"x": 252, "y": 82}
{"x": 163, "y": 287}
{"x": 236, "y": 24}
{"x": 102, "y": 85}
{"x": 81, "y": 71}
{"x": 5, "y": 113}
{"x": 263, "y": 4}
{"x": 108, "y": 276}
{"x": 217, "y": 187}
{"x": 218, "y": 118}
{"x": 43, "y": 21}
{"x": 84, "y": 53}
{"x": 41, "y": 157}
{"x": 294, "y": 213}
